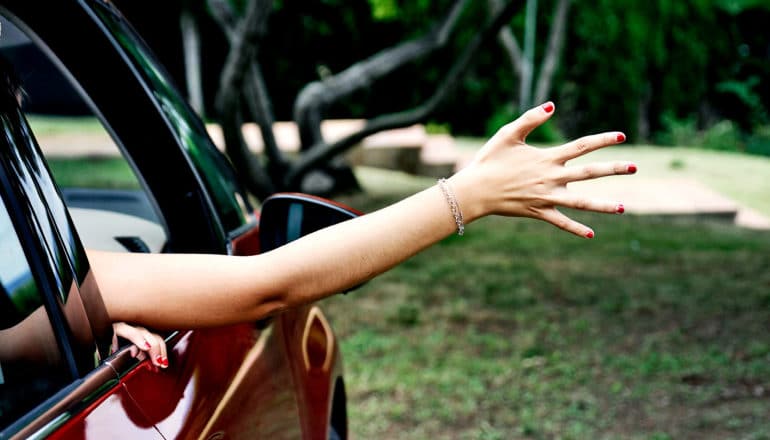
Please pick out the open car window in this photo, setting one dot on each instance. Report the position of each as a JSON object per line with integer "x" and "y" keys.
{"x": 95, "y": 178}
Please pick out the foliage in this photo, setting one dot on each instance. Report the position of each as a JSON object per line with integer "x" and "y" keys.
{"x": 626, "y": 63}
{"x": 759, "y": 141}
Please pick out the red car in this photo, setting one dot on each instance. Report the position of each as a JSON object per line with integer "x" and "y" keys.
{"x": 59, "y": 378}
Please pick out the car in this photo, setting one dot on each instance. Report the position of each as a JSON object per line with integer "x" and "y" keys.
{"x": 60, "y": 374}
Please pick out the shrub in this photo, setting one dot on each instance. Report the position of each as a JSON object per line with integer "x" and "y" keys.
{"x": 677, "y": 131}
{"x": 723, "y": 136}
{"x": 759, "y": 141}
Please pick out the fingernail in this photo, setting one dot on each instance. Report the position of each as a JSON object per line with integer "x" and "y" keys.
{"x": 620, "y": 209}
{"x": 620, "y": 137}
{"x": 165, "y": 362}
{"x": 632, "y": 168}
{"x": 590, "y": 234}
{"x": 147, "y": 345}
{"x": 159, "y": 360}
{"x": 548, "y": 107}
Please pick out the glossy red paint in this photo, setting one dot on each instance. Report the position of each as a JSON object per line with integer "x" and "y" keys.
{"x": 315, "y": 384}
{"x": 246, "y": 243}
{"x": 114, "y": 416}
{"x": 242, "y": 382}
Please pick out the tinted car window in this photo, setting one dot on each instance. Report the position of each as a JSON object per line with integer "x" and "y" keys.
{"x": 31, "y": 364}
{"x": 106, "y": 197}
{"x": 216, "y": 173}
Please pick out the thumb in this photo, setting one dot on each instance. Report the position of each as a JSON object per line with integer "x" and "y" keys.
{"x": 518, "y": 130}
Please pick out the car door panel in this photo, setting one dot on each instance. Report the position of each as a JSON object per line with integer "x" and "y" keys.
{"x": 215, "y": 379}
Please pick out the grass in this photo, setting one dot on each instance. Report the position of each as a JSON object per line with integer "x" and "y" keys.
{"x": 741, "y": 177}
{"x": 43, "y": 125}
{"x": 108, "y": 173}
{"x": 657, "y": 329}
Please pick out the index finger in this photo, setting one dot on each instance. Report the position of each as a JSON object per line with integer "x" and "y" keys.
{"x": 587, "y": 144}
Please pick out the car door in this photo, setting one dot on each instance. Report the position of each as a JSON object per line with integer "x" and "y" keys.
{"x": 54, "y": 329}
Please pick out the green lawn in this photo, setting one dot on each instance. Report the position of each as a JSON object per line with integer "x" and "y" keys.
{"x": 744, "y": 178}
{"x": 657, "y": 329}
{"x": 108, "y": 173}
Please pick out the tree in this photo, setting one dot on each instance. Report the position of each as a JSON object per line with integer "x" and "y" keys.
{"x": 191, "y": 49}
{"x": 241, "y": 84}
{"x": 523, "y": 62}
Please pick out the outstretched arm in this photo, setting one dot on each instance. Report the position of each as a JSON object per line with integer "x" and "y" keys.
{"x": 507, "y": 177}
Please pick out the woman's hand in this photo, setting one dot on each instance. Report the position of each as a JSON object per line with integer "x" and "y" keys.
{"x": 509, "y": 177}
{"x": 146, "y": 343}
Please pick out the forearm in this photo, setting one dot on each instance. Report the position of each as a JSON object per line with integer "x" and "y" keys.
{"x": 185, "y": 291}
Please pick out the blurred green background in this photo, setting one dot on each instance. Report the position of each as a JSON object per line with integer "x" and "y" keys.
{"x": 668, "y": 72}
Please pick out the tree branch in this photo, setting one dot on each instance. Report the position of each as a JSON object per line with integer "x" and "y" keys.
{"x": 314, "y": 97}
{"x": 508, "y": 40}
{"x": 322, "y": 151}
{"x": 258, "y": 101}
{"x": 248, "y": 165}
{"x": 191, "y": 49}
{"x": 553, "y": 51}
{"x": 244, "y": 37}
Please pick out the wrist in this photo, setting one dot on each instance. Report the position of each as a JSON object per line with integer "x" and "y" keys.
{"x": 468, "y": 194}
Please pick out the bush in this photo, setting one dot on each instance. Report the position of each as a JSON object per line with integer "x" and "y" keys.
{"x": 759, "y": 142}
{"x": 677, "y": 131}
{"x": 723, "y": 136}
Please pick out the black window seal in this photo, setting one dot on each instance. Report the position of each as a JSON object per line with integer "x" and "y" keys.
{"x": 42, "y": 272}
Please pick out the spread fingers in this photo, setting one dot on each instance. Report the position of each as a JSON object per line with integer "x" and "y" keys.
{"x": 594, "y": 170}
{"x": 561, "y": 221}
{"x": 587, "y": 204}
{"x": 586, "y": 144}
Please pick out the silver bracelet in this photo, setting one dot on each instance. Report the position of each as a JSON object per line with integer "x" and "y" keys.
{"x": 453, "y": 205}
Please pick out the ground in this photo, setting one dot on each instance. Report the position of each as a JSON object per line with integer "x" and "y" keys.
{"x": 656, "y": 329}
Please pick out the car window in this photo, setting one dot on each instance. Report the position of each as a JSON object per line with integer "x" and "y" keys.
{"x": 32, "y": 367}
{"x": 96, "y": 179}
{"x": 217, "y": 175}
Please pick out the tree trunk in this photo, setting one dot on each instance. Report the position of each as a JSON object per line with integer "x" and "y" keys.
{"x": 244, "y": 42}
{"x": 528, "y": 66}
{"x": 553, "y": 51}
{"x": 316, "y": 96}
{"x": 192, "y": 58}
{"x": 324, "y": 152}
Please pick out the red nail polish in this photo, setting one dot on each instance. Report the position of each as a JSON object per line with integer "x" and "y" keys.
{"x": 620, "y": 209}
{"x": 632, "y": 169}
{"x": 159, "y": 360}
{"x": 165, "y": 362}
{"x": 548, "y": 107}
{"x": 147, "y": 345}
{"x": 590, "y": 234}
{"x": 620, "y": 137}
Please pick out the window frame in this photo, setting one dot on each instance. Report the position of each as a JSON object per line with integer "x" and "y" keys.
{"x": 15, "y": 176}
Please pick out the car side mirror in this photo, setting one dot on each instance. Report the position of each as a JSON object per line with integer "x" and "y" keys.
{"x": 286, "y": 217}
